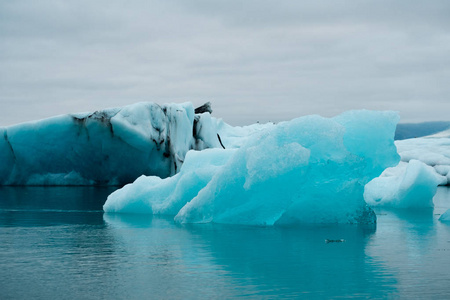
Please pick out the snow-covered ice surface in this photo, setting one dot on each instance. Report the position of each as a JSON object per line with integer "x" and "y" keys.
{"x": 433, "y": 151}
{"x": 308, "y": 170}
{"x": 442, "y": 134}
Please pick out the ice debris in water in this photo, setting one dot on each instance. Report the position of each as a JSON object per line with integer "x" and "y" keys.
{"x": 309, "y": 170}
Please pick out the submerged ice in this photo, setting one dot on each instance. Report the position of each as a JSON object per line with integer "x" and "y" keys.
{"x": 308, "y": 170}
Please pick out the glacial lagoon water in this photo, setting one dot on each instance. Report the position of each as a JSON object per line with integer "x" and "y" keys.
{"x": 56, "y": 243}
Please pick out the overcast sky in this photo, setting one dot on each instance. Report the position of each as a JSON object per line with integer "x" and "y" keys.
{"x": 254, "y": 60}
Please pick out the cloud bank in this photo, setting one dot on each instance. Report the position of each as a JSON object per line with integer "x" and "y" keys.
{"x": 254, "y": 60}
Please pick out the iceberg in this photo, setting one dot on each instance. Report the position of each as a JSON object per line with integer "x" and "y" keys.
{"x": 112, "y": 146}
{"x": 425, "y": 164}
{"x": 408, "y": 185}
{"x": 108, "y": 147}
{"x": 153, "y": 195}
{"x": 308, "y": 170}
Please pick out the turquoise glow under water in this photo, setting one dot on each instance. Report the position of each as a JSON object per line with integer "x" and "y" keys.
{"x": 56, "y": 243}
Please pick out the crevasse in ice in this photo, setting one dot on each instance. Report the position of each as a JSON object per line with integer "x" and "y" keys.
{"x": 309, "y": 170}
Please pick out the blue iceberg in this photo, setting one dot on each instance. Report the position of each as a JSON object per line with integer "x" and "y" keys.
{"x": 308, "y": 170}
{"x": 109, "y": 147}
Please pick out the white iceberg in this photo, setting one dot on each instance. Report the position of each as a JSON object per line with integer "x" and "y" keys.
{"x": 408, "y": 185}
{"x": 425, "y": 164}
{"x": 308, "y": 170}
{"x": 433, "y": 151}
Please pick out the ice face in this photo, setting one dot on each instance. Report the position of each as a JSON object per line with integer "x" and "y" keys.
{"x": 153, "y": 195}
{"x": 113, "y": 146}
{"x": 308, "y": 170}
{"x": 445, "y": 216}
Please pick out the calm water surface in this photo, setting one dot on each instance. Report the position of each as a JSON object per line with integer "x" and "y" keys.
{"x": 56, "y": 243}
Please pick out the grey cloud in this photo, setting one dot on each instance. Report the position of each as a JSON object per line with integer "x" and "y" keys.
{"x": 255, "y": 60}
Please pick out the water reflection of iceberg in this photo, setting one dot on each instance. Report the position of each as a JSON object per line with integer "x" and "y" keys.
{"x": 251, "y": 261}
{"x": 415, "y": 245}
{"x": 51, "y": 206}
